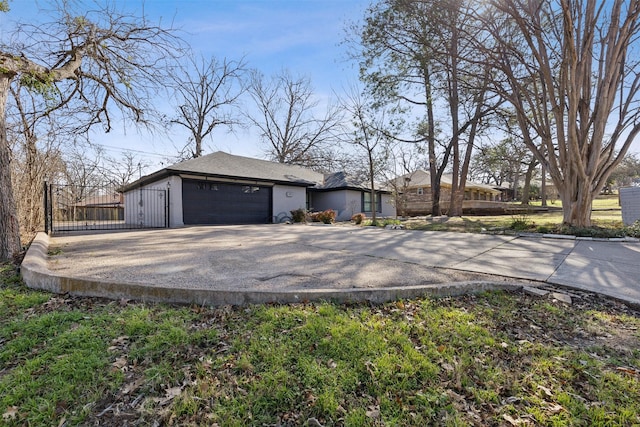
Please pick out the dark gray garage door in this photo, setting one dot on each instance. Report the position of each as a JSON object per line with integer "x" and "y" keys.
{"x": 205, "y": 202}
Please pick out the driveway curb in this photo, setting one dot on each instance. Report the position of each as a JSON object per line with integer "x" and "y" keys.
{"x": 36, "y": 275}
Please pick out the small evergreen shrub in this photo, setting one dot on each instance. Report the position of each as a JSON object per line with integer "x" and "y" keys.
{"x": 633, "y": 230}
{"x": 299, "y": 215}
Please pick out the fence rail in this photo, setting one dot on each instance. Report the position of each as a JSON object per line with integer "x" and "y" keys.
{"x": 76, "y": 208}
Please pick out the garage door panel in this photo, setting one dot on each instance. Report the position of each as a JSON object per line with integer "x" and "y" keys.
{"x": 206, "y": 202}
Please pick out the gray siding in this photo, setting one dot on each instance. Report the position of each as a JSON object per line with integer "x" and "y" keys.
{"x": 630, "y": 202}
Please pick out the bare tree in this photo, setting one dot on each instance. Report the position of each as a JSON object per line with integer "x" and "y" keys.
{"x": 288, "y": 122}
{"x": 207, "y": 93}
{"x": 569, "y": 71}
{"x": 124, "y": 169}
{"x": 367, "y": 124}
{"x": 100, "y": 58}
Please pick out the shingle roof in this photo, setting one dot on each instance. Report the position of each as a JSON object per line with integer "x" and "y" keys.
{"x": 422, "y": 178}
{"x": 341, "y": 180}
{"x": 224, "y": 164}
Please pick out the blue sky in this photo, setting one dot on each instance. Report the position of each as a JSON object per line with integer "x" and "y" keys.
{"x": 302, "y": 36}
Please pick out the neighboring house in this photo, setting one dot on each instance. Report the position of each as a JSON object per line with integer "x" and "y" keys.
{"x": 221, "y": 188}
{"x": 414, "y": 194}
{"x": 106, "y": 207}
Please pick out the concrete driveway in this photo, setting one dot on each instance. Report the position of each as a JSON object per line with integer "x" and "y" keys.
{"x": 284, "y": 263}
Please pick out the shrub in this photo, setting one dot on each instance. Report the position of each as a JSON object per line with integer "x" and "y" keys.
{"x": 544, "y": 229}
{"x": 299, "y": 215}
{"x": 520, "y": 222}
{"x": 382, "y": 222}
{"x": 598, "y": 232}
{"x": 633, "y": 230}
{"x": 358, "y": 218}
{"x": 326, "y": 217}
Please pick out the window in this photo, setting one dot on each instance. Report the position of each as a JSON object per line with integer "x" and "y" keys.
{"x": 420, "y": 191}
{"x": 250, "y": 190}
{"x": 366, "y": 202}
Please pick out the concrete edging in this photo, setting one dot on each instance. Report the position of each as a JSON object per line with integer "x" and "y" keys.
{"x": 36, "y": 275}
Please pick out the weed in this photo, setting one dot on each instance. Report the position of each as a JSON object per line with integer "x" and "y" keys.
{"x": 520, "y": 222}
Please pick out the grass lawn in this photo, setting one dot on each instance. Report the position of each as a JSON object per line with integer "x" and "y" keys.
{"x": 494, "y": 359}
{"x": 606, "y": 218}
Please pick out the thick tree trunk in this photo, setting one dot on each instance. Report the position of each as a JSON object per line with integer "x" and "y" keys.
{"x": 9, "y": 229}
{"x": 577, "y": 201}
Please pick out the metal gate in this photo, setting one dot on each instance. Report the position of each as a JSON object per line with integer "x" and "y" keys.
{"x": 76, "y": 207}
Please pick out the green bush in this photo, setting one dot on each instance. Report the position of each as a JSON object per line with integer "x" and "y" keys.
{"x": 598, "y": 232}
{"x": 544, "y": 229}
{"x": 299, "y": 215}
{"x": 358, "y": 218}
{"x": 382, "y": 222}
{"x": 633, "y": 230}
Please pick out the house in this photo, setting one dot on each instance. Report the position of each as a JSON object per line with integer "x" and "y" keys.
{"x": 221, "y": 188}
{"x": 414, "y": 194}
{"x": 102, "y": 207}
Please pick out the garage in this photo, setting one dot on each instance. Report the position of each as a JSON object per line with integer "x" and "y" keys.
{"x": 209, "y": 202}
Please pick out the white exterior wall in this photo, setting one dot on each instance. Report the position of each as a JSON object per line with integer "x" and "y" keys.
{"x": 288, "y": 198}
{"x": 630, "y": 203}
{"x": 175, "y": 201}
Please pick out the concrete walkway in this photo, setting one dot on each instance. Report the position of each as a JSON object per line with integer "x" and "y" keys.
{"x": 285, "y": 263}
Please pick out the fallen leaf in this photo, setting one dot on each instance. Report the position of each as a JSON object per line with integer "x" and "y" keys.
{"x": 130, "y": 387}
{"x": 373, "y": 412}
{"x": 172, "y": 392}
{"x": 447, "y": 367}
{"x": 546, "y": 390}
{"x": 555, "y": 408}
{"x": 11, "y": 413}
{"x": 514, "y": 421}
{"x": 629, "y": 371}
{"x": 120, "y": 363}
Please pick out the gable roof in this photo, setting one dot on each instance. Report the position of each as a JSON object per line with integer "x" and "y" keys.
{"x": 343, "y": 181}
{"x": 224, "y": 165}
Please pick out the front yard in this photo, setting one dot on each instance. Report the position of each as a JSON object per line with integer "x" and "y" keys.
{"x": 494, "y": 359}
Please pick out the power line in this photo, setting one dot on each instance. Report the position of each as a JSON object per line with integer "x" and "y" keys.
{"x": 111, "y": 147}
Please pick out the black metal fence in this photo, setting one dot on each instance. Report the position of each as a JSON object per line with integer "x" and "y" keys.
{"x": 76, "y": 207}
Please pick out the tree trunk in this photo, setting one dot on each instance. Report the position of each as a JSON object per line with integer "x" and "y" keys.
{"x": 577, "y": 202}
{"x": 543, "y": 187}
{"x": 526, "y": 188}
{"x": 9, "y": 229}
{"x": 431, "y": 142}
{"x": 372, "y": 183}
